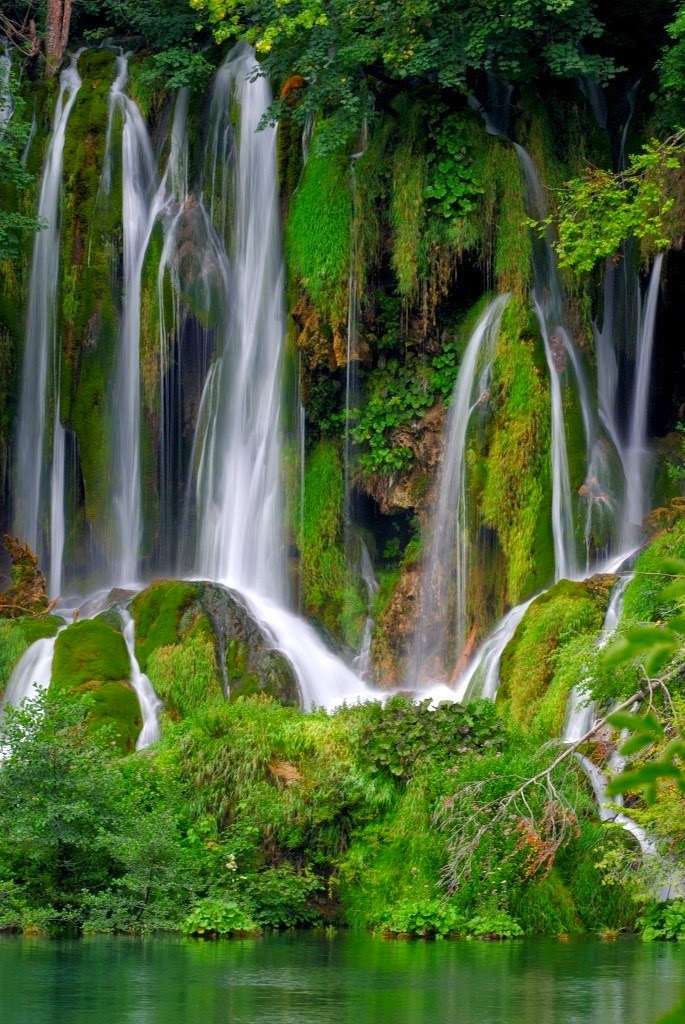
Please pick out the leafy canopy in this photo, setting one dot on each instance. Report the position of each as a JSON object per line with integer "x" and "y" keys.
{"x": 350, "y": 51}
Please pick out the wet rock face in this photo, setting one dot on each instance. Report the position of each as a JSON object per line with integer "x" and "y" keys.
{"x": 248, "y": 658}
{"x": 172, "y": 616}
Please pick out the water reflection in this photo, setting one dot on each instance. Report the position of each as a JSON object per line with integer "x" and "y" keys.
{"x": 305, "y": 979}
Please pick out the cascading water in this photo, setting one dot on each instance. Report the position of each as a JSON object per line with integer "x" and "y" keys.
{"x": 238, "y": 446}
{"x": 549, "y": 310}
{"x": 36, "y": 488}
{"x": 580, "y": 713}
{"x": 143, "y": 201}
{"x": 637, "y": 459}
{"x": 31, "y": 674}
{"x": 150, "y": 704}
{"x": 6, "y": 104}
{"x": 362, "y": 662}
{"x": 440, "y": 637}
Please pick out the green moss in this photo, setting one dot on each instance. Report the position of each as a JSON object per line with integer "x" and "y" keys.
{"x": 406, "y": 216}
{"x": 318, "y": 232}
{"x": 528, "y": 664}
{"x": 516, "y": 489}
{"x": 504, "y": 239}
{"x": 157, "y": 612}
{"x": 87, "y": 317}
{"x": 322, "y": 556}
{"x": 91, "y": 660}
{"x": 642, "y": 602}
{"x": 185, "y": 675}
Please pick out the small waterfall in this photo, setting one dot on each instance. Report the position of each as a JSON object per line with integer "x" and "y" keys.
{"x": 39, "y": 396}
{"x": 548, "y": 304}
{"x": 351, "y": 377}
{"x": 637, "y": 461}
{"x": 150, "y": 704}
{"x": 6, "y": 104}
{"x": 581, "y": 712}
{"x": 440, "y": 637}
{"x": 143, "y": 201}
{"x": 31, "y": 674}
{"x": 362, "y": 662}
{"x": 481, "y": 678}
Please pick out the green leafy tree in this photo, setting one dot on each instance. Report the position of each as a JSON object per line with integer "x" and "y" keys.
{"x": 351, "y": 54}
{"x": 17, "y": 181}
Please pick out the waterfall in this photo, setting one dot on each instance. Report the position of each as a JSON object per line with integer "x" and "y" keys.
{"x": 362, "y": 662}
{"x": 6, "y": 104}
{"x": 35, "y": 489}
{"x": 31, "y": 674}
{"x": 548, "y": 305}
{"x": 580, "y": 713}
{"x": 150, "y": 704}
{"x": 239, "y": 497}
{"x": 440, "y": 637}
{"x": 481, "y": 678}
{"x": 637, "y": 455}
{"x": 237, "y": 454}
{"x": 143, "y": 201}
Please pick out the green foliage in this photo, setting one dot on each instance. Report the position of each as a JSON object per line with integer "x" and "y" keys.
{"x": 347, "y": 60}
{"x": 15, "y": 222}
{"x": 406, "y": 217}
{"x": 318, "y": 231}
{"x": 398, "y": 397}
{"x": 185, "y": 675}
{"x": 452, "y": 186}
{"x": 212, "y": 918}
{"x": 601, "y": 210}
{"x": 516, "y": 462}
{"x": 672, "y": 73}
{"x": 424, "y": 919}
{"x": 322, "y": 556}
{"x": 496, "y": 924}
{"x": 281, "y": 897}
{"x": 402, "y": 735}
{"x": 553, "y": 619}
{"x": 664, "y": 922}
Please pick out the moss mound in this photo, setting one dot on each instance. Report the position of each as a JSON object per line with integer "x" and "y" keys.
{"x": 157, "y": 612}
{"x": 564, "y": 613}
{"x": 91, "y": 660}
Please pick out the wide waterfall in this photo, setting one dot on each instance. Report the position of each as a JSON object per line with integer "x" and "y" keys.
{"x": 40, "y": 443}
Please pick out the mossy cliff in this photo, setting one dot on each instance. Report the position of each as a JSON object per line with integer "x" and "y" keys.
{"x": 534, "y": 690}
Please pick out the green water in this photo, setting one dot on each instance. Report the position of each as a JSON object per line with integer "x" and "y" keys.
{"x": 306, "y": 979}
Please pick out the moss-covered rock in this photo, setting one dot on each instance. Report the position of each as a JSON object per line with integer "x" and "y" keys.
{"x": 564, "y": 613}
{"x": 157, "y": 612}
{"x": 198, "y": 641}
{"x": 91, "y": 660}
{"x": 252, "y": 664}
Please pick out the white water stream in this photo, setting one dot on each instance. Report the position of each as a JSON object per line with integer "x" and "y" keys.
{"x": 40, "y": 472}
{"x": 150, "y": 704}
{"x": 440, "y": 637}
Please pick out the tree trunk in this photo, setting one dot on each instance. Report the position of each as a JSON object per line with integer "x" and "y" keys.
{"x": 56, "y": 33}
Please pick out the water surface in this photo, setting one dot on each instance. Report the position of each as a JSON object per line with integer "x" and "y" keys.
{"x": 348, "y": 979}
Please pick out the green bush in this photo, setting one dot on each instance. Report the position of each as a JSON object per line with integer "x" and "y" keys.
{"x": 424, "y": 919}
{"x": 212, "y": 918}
{"x": 664, "y": 922}
{"x": 494, "y": 924}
